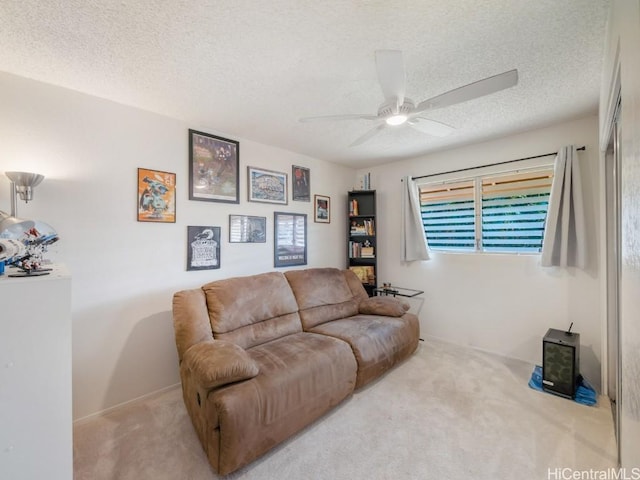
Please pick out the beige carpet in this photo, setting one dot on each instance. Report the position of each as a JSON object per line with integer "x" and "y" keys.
{"x": 447, "y": 413}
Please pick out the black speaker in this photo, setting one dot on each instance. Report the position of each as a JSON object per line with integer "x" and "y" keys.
{"x": 561, "y": 362}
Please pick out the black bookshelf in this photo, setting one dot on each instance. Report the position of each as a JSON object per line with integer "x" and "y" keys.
{"x": 362, "y": 245}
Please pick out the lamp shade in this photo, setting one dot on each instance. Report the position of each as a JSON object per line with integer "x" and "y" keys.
{"x": 24, "y": 182}
{"x": 12, "y": 227}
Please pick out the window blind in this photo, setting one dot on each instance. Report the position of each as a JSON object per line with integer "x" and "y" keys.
{"x": 494, "y": 213}
{"x": 448, "y": 215}
{"x": 514, "y": 209}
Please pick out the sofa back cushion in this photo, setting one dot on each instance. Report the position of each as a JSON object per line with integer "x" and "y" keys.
{"x": 190, "y": 319}
{"x": 325, "y": 294}
{"x": 250, "y": 311}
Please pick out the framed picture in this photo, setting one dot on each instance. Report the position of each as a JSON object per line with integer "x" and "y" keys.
{"x": 290, "y": 239}
{"x": 247, "y": 229}
{"x": 267, "y": 186}
{"x": 301, "y": 184}
{"x": 322, "y": 209}
{"x": 156, "y": 196}
{"x": 203, "y": 248}
{"x": 213, "y": 168}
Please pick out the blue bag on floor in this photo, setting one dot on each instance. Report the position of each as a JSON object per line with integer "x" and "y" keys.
{"x": 585, "y": 393}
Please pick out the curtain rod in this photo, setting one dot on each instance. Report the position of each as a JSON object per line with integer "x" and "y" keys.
{"x": 493, "y": 164}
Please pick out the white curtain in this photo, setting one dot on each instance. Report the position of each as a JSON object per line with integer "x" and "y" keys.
{"x": 414, "y": 244}
{"x": 565, "y": 236}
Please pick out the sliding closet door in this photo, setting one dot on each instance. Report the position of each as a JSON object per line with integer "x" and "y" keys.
{"x": 612, "y": 171}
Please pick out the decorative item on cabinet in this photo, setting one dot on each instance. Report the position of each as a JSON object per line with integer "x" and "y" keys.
{"x": 35, "y": 236}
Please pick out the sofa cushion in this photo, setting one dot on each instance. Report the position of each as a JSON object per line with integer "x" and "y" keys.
{"x": 190, "y": 319}
{"x": 219, "y": 363}
{"x": 378, "y": 342}
{"x": 323, "y": 294}
{"x": 252, "y": 310}
{"x": 301, "y": 377}
{"x": 388, "y": 306}
{"x": 355, "y": 284}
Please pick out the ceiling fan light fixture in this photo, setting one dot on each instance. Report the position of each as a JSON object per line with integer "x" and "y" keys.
{"x": 395, "y": 120}
{"x": 398, "y": 110}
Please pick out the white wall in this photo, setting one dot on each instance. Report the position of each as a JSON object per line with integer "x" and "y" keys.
{"x": 623, "y": 38}
{"x": 500, "y": 303}
{"x": 125, "y": 272}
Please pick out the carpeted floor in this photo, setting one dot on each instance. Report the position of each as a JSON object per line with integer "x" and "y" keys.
{"x": 447, "y": 413}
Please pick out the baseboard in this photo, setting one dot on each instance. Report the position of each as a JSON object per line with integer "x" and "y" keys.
{"x": 479, "y": 349}
{"x": 141, "y": 398}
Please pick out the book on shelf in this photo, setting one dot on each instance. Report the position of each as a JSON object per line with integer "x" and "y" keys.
{"x": 358, "y": 230}
{"x": 365, "y": 274}
{"x": 366, "y": 252}
{"x": 353, "y": 208}
{"x": 363, "y": 227}
{"x": 358, "y": 250}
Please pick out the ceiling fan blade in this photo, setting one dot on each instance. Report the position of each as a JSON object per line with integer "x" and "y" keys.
{"x": 371, "y": 133}
{"x": 354, "y": 116}
{"x": 391, "y": 75}
{"x": 471, "y": 91}
{"x": 430, "y": 127}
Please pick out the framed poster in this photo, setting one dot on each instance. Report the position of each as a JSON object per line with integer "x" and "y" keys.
{"x": 213, "y": 168}
{"x": 247, "y": 229}
{"x": 322, "y": 209}
{"x": 156, "y": 196}
{"x": 203, "y": 248}
{"x": 267, "y": 186}
{"x": 290, "y": 239}
{"x": 301, "y": 184}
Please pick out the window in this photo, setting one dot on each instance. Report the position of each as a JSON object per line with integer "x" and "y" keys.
{"x": 492, "y": 213}
{"x": 448, "y": 215}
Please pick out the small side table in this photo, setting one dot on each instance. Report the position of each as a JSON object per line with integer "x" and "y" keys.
{"x": 401, "y": 292}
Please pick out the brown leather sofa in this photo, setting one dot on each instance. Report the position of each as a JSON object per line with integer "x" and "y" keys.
{"x": 263, "y": 356}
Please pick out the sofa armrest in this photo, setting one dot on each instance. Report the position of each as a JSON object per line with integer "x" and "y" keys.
{"x": 216, "y": 363}
{"x": 387, "y": 306}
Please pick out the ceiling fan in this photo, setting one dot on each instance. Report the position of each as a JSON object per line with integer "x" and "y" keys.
{"x": 398, "y": 110}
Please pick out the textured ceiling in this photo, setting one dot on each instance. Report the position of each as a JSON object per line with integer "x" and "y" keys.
{"x": 251, "y": 69}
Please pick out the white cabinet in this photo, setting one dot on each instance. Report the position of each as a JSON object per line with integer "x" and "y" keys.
{"x": 36, "y": 433}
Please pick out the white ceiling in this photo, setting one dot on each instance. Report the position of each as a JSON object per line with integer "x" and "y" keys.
{"x": 250, "y": 69}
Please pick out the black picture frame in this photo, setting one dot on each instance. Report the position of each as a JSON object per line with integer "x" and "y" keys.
{"x": 321, "y": 209}
{"x": 214, "y": 168}
{"x": 300, "y": 184}
{"x": 203, "y": 248}
{"x": 267, "y": 186}
{"x": 289, "y": 239}
{"x": 247, "y": 229}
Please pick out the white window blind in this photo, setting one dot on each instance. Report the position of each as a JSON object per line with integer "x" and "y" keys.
{"x": 492, "y": 213}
